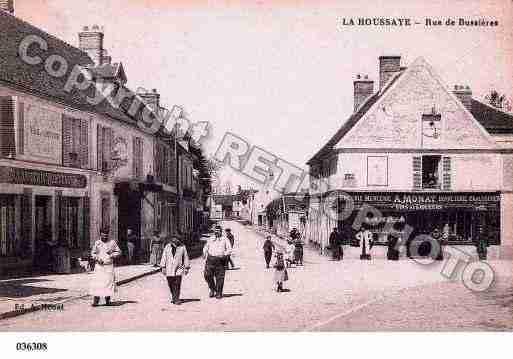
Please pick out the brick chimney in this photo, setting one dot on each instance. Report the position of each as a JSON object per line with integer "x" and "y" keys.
{"x": 90, "y": 40}
{"x": 152, "y": 99}
{"x": 363, "y": 89}
{"x": 388, "y": 67}
{"x": 464, "y": 94}
{"x": 7, "y": 6}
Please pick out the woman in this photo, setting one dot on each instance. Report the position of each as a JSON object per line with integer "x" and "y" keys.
{"x": 280, "y": 272}
{"x": 174, "y": 263}
{"x": 268, "y": 250}
{"x": 103, "y": 283}
{"x": 156, "y": 249}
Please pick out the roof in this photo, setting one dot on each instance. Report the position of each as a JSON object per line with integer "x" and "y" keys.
{"x": 492, "y": 119}
{"x": 353, "y": 119}
{"x": 34, "y": 79}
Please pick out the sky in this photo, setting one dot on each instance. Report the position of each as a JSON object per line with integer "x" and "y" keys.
{"x": 280, "y": 73}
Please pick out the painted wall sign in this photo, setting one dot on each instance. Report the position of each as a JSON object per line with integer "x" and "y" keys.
{"x": 426, "y": 201}
{"x": 14, "y": 175}
{"x": 43, "y": 133}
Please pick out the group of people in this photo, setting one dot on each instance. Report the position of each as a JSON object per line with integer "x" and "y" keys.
{"x": 292, "y": 253}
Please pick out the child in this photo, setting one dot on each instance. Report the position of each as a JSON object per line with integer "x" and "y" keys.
{"x": 280, "y": 273}
{"x": 289, "y": 249}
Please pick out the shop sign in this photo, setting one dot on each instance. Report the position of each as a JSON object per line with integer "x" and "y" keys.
{"x": 43, "y": 133}
{"x": 426, "y": 201}
{"x": 15, "y": 175}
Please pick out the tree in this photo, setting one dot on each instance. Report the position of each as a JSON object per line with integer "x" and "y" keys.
{"x": 498, "y": 101}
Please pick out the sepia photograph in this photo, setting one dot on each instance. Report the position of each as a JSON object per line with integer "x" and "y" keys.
{"x": 274, "y": 167}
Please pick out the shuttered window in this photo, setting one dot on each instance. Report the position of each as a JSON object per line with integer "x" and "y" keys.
{"x": 137, "y": 156}
{"x": 75, "y": 142}
{"x": 446, "y": 167}
{"x": 417, "y": 172}
{"x": 21, "y": 128}
{"x": 7, "y": 142}
{"x": 104, "y": 147}
{"x": 105, "y": 211}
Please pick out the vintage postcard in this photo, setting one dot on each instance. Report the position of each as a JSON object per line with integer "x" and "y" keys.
{"x": 255, "y": 166}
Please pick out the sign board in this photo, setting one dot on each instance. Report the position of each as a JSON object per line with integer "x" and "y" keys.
{"x": 43, "y": 134}
{"x": 16, "y": 175}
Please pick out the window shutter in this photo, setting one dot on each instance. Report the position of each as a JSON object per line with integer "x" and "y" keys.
{"x": 99, "y": 147}
{"x": 21, "y": 128}
{"x": 7, "y": 143}
{"x": 417, "y": 172}
{"x": 134, "y": 156}
{"x": 140, "y": 157}
{"x": 169, "y": 166}
{"x": 446, "y": 180}
{"x": 67, "y": 140}
{"x": 108, "y": 142}
{"x": 84, "y": 143}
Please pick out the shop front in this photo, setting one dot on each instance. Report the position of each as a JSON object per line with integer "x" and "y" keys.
{"x": 458, "y": 218}
{"x": 44, "y": 219}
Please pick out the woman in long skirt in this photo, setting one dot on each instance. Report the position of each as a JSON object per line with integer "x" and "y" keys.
{"x": 280, "y": 272}
{"x": 156, "y": 249}
{"x": 103, "y": 281}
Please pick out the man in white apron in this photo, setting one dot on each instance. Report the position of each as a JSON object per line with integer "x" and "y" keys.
{"x": 103, "y": 282}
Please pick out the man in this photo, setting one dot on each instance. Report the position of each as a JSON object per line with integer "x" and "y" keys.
{"x": 365, "y": 238}
{"x": 231, "y": 238}
{"x": 130, "y": 244}
{"x": 175, "y": 264}
{"x": 333, "y": 242}
{"x": 103, "y": 282}
{"x": 215, "y": 252}
{"x": 268, "y": 250}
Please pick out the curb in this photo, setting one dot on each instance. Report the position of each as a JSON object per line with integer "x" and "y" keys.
{"x": 35, "y": 308}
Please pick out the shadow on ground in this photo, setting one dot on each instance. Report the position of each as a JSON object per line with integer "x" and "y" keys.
{"x": 20, "y": 288}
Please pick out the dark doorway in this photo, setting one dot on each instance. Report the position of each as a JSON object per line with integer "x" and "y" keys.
{"x": 129, "y": 216}
{"x": 43, "y": 232}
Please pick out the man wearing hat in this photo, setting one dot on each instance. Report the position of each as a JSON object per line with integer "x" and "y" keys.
{"x": 103, "y": 282}
{"x": 216, "y": 252}
{"x": 174, "y": 264}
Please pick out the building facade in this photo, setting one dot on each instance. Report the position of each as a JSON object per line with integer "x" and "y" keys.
{"x": 421, "y": 155}
{"x": 70, "y": 166}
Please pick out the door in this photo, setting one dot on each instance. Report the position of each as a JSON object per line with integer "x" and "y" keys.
{"x": 129, "y": 216}
{"x": 43, "y": 232}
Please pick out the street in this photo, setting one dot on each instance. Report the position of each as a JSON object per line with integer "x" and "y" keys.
{"x": 323, "y": 296}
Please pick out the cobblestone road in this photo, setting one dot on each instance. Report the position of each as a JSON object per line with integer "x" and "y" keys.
{"x": 323, "y": 296}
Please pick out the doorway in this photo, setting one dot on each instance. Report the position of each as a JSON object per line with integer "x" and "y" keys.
{"x": 129, "y": 216}
{"x": 43, "y": 232}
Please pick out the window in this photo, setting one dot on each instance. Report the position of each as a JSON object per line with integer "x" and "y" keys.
{"x": 105, "y": 211}
{"x": 104, "y": 147}
{"x": 75, "y": 142}
{"x": 137, "y": 157}
{"x": 431, "y": 178}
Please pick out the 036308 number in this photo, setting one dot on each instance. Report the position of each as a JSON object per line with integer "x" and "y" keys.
{"x": 31, "y": 346}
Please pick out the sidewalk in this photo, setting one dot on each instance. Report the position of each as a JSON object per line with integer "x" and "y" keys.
{"x": 24, "y": 295}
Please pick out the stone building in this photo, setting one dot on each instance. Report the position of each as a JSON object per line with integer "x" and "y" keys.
{"x": 73, "y": 161}
{"x": 421, "y": 154}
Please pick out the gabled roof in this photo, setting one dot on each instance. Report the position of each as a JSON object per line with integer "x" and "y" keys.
{"x": 353, "y": 119}
{"x": 492, "y": 119}
{"x": 34, "y": 79}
